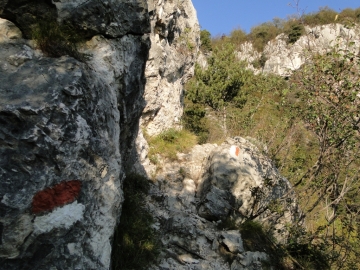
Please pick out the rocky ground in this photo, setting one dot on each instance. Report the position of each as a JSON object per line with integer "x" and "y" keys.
{"x": 192, "y": 196}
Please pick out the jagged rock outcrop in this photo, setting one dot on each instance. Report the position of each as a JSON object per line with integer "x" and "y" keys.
{"x": 67, "y": 130}
{"x": 283, "y": 58}
{"x": 189, "y": 199}
{"x": 175, "y": 43}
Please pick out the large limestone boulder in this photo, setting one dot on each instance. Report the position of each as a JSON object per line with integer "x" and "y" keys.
{"x": 175, "y": 41}
{"x": 67, "y": 132}
{"x": 241, "y": 183}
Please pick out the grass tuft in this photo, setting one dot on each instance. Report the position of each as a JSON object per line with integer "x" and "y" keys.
{"x": 170, "y": 142}
{"x": 55, "y": 39}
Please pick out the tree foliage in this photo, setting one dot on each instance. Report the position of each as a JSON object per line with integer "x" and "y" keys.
{"x": 221, "y": 82}
{"x": 260, "y": 35}
{"x": 205, "y": 38}
{"x": 310, "y": 125}
{"x": 328, "y": 102}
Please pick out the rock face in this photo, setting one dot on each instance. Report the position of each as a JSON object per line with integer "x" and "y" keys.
{"x": 108, "y": 18}
{"x": 241, "y": 183}
{"x": 67, "y": 130}
{"x": 283, "y": 58}
{"x": 174, "y": 45}
{"x": 193, "y": 196}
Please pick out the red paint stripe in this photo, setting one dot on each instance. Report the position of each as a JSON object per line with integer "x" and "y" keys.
{"x": 237, "y": 151}
{"x": 58, "y": 195}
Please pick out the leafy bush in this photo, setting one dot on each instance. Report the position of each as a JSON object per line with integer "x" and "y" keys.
{"x": 220, "y": 82}
{"x": 56, "y": 39}
{"x": 260, "y": 35}
{"x": 237, "y": 37}
{"x": 205, "y": 38}
{"x": 328, "y": 102}
{"x": 194, "y": 120}
{"x": 324, "y": 16}
{"x": 294, "y": 30}
{"x": 260, "y": 63}
{"x": 136, "y": 243}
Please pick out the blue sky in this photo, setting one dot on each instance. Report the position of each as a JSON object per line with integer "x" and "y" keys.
{"x": 222, "y": 16}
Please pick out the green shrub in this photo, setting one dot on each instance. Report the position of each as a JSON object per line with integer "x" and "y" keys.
{"x": 56, "y": 39}
{"x": 237, "y": 37}
{"x": 294, "y": 30}
{"x": 328, "y": 102}
{"x": 220, "y": 82}
{"x": 307, "y": 254}
{"x": 205, "y": 38}
{"x": 136, "y": 243}
{"x": 260, "y": 35}
{"x": 260, "y": 62}
{"x": 325, "y": 15}
{"x": 194, "y": 120}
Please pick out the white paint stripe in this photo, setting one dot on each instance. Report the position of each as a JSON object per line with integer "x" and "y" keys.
{"x": 62, "y": 217}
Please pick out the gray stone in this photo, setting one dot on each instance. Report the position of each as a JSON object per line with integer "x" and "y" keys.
{"x": 250, "y": 261}
{"x": 20, "y": 58}
{"x": 51, "y": 132}
{"x": 216, "y": 204}
{"x": 175, "y": 43}
{"x": 67, "y": 132}
{"x": 232, "y": 240}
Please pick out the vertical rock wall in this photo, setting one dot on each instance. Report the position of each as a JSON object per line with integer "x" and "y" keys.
{"x": 66, "y": 130}
{"x": 174, "y": 46}
{"x": 175, "y": 43}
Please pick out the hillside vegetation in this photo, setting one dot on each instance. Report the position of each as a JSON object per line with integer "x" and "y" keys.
{"x": 293, "y": 27}
{"x": 308, "y": 124}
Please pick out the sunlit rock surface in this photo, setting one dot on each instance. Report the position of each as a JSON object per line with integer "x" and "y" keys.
{"x": 175, "y": 43}
{"x": 283, "y": 58}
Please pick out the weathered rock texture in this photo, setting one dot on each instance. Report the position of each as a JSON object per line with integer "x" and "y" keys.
{"x": 190, "y": 197}
{"x": 241, "y": 183}
{"x": 283, "y": 58}
{"x": 113, "y": 18}
{"x": 66, "y": 131}
{"x": 174, "y": 46}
